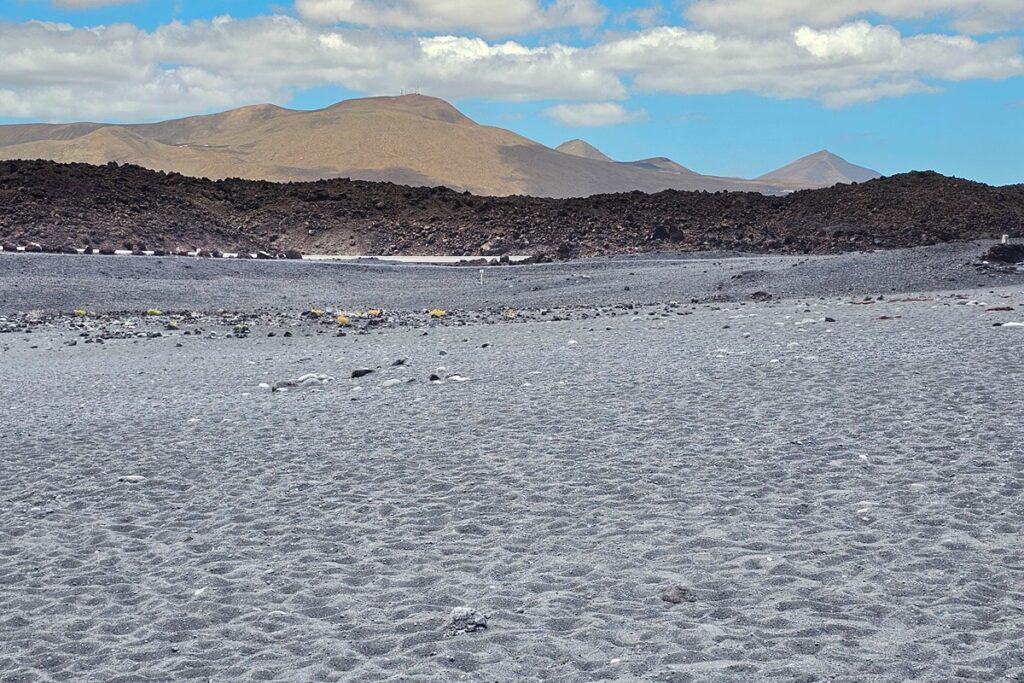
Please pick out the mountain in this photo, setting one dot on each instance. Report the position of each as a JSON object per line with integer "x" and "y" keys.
{"x": 661, "y": 164}
{"x": 410, "y": 140}
{"x": 822, "y": 169}
{"x": 582, "y": 148}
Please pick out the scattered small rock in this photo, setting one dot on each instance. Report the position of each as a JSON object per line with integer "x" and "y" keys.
{"x": 309, "y": 380}
{"x": 465, "y": 620}
{"x": 677, "y": 594}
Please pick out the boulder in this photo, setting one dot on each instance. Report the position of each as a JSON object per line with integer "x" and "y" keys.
{"x": 1005, "y": 253}
{"x": 495, "y": 246}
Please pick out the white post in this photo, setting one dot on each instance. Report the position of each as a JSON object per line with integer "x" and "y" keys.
{"x": 1006, "y": 239}
{"x": 481, "y": 276}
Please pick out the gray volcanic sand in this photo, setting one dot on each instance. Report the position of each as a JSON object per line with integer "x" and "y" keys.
{"x": 843, "y": 500}
{"x": 104, "y": 283}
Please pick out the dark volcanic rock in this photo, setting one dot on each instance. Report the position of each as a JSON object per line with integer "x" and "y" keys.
{"x": 79, "y": 203}
{"x": 677, "y": 595}
{"x": 1006, "y": 253}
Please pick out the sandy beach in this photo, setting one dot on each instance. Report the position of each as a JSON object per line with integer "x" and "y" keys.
{"x": 648, "y": 469}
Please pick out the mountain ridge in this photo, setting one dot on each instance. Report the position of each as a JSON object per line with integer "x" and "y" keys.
{"x": 410, "y": 139}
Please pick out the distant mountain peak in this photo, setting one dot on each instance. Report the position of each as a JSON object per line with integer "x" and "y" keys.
{"x": 421, "y": 105}
{"x": 582, "y": 148}
{"x": 408, "y": 139}
{"x": 662, "y": 165}
{"x": 821, "y": 169}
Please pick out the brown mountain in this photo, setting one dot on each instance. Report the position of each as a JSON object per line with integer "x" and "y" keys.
{"x": 412, "y": 140}
{"x": 822, "y": 169}
{"x": 582, "y": 148}
{"x": 661, "y": 164}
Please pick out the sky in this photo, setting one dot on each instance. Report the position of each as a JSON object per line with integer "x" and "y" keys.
{"x": 726, "y": 87}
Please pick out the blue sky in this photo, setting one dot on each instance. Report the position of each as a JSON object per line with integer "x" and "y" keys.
{"x": 721, "y": 86}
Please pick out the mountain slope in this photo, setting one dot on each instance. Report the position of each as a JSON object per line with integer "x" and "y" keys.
{"x": 822, "y": 169}
{"x": 660, "y": 164}
{"x": 411, "y": 140}
{"x": 582, "y": 148}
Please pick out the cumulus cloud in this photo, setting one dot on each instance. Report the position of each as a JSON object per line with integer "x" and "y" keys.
{"x": 56, "y": 72}
{"x": 121, "y": 72}
{"x": 486, "y": 17}
{"x": 758, "y": 16}
{"x": 594, "y": 114}
{"x": 845, "y": 65}
{"x": 641, "y": 16}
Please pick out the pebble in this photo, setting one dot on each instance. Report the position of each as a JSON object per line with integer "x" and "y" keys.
{"x": 677, "y": 594}
{"x": 308, "y": 380}
{"x": 466, "y": 620}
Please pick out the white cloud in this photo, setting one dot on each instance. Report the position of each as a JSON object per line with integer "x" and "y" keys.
{"x": 846, "y": 65}
{"x": 486, "y": 17}
{"x": 641, "y": 16}
{"x": 594, "y": 114}
{"x": 52, "y": 71}
{"x": 121, "y": 72}
{"x": 758, "y": 16}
